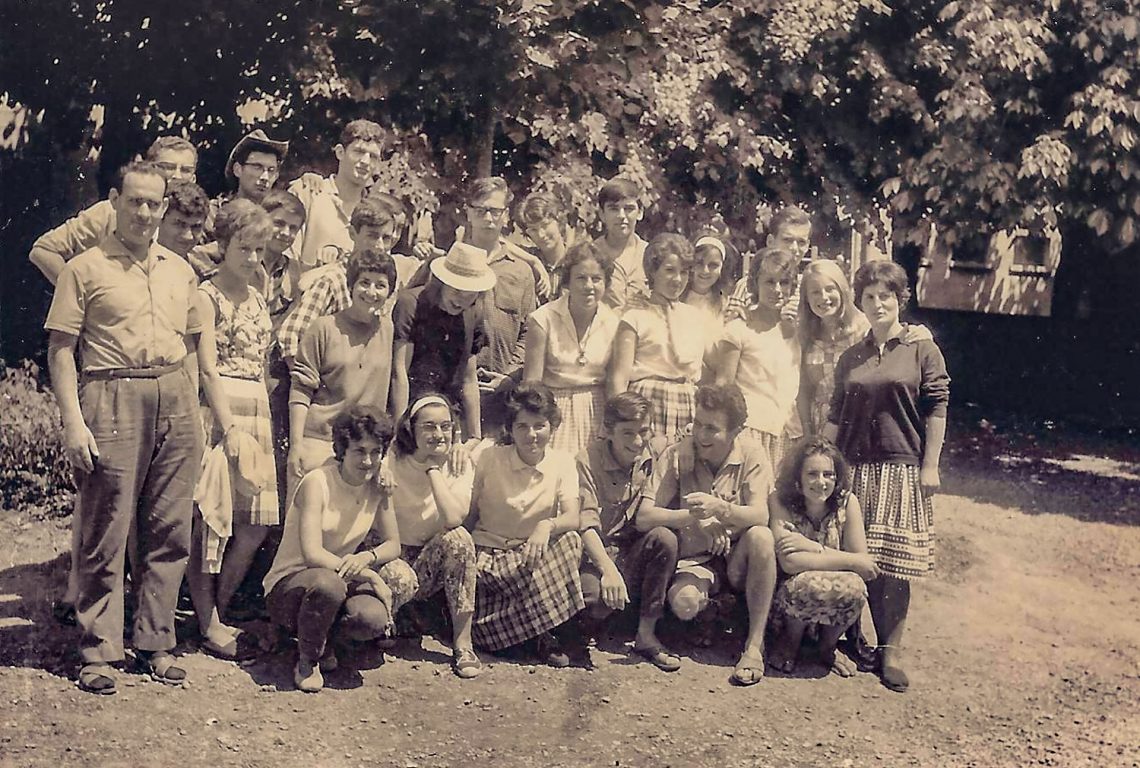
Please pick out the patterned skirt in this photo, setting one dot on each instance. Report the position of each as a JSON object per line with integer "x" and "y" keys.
{"x": 775, "y": 446}
{"x": 826, "y": 598}
{"x": 249, "y": 404}
{"x": 581, "y": 409}
{"x": 514, "y": 603}
{"x": 899, "y": 518}
{"x": 674, "y": 403}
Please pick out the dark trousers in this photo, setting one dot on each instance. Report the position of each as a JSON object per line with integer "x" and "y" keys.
{"x": 149, "y": 437}
{"x": 311, "y": 603}
{"x": 647, "y": 565}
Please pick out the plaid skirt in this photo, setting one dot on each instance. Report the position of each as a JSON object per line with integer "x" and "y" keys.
{"x": 898, "y": 517}
{"x": 674, "y": 403}
{"x": 776, "y": 446}
{"x": 581, "y": 409}
{"x": 514, "y": 603}
{"x": 249, "y": 404}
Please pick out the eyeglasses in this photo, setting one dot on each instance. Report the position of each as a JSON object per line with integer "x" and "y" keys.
{"x": 483, "y": 210}
{"x": 260, "y": 168}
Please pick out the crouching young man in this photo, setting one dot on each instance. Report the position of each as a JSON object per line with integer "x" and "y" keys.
{"x": 712, "y": 488}
{"x": 624, "y": 564}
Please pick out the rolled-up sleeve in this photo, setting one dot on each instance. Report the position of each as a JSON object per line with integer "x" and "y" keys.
{"x": 934, "y": 389}
{"x": 80, "y": 233}
{"x": 590, "y": 509}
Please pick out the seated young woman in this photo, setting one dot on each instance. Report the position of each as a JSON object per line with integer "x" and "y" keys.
{"x": 524, "y": 520}
{"x": 321, "y": 589}
{"x": 821, "y": 549}
{"x": 431, "y": 502}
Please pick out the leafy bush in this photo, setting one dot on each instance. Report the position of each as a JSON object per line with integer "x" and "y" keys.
{"x": 35, "y": 475}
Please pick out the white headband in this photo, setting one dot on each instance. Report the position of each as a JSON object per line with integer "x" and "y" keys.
{"x": 424, "y": 402}
{"x": 714, "y": 242}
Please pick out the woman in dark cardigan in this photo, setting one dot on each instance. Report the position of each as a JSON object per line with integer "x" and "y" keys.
{"x": 888, "y": 417}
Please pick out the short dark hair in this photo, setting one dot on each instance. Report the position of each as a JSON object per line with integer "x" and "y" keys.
{"x": 171, "y": 144}
{"x": 777, "y": 260}
{"x": 533, "y": 397}
{"x": 726, "y": 399}
{"x": 370, "y": 260}
{"x": 661, "y": 247}
{"x": 371, "y": 212}
{"x": 627, "y": 406}
{"x": 886, "y": 272}
{"x": 581, "y": 253}
{"x": 485, "y": 187}
{"x": 404, "y": 444}
{"x": 616, "y": 190}
{"x": 362, "y": 130}
{"x": 360, "y": 422}
{"x": 278, "y": 199}
{"x": 239, "y": 215}
{"x": 141, "y": 167}
{"x": 187, "y": 198}
{"x": 788, "y": 216}
{"x": 788, "y": 489}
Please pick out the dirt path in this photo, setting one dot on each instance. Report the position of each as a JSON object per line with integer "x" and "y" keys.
{"x": 1025, "y": 650}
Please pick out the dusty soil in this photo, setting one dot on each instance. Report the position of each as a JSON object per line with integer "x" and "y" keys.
{"x": 1025, "y": 650}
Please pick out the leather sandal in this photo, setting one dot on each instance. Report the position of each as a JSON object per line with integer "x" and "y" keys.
{"x": 93, "y": 678}
{"x": 749, "y": 670}
{"x": 160, "y": 666}
{"x": 659, "y": 657}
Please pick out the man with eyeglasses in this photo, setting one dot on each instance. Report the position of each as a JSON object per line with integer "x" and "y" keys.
{"x": 173, "y": 156}
{"x": 329, "y": 201}
{"x": 254, "y": 165}
{"x": 509, "y": 304}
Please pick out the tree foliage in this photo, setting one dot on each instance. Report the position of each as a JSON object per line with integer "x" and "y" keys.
{"x": 972, "y": 114}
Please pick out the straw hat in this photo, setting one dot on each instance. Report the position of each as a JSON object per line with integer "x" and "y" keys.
{"x": 464, "y": 268}
{"x": 256, "y": 141}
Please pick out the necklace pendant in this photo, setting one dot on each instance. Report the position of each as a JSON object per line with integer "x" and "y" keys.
{"x": 582, "y": 359}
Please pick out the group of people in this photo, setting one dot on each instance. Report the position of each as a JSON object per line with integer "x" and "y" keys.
{"x": 546, "y": 428}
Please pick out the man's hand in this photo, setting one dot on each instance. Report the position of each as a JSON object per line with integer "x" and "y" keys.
{"x": 489, "y": 381}
{"x": 721, "y": 542}
{"x": 614, "y": 592}
{"x": 702, "y": 506}
{"x": 79, "y": 445}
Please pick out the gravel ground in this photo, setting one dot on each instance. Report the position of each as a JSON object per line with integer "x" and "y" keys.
{"x": 1024, "y": 650}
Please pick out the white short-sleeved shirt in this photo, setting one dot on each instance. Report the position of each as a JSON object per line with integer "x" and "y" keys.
{"x": 570, "y": 361}
{"x": 513, "y": 497}
{"x": 670, "y": 343}
{"x": 126, "y": 313}
{"x": 768, "y": 375}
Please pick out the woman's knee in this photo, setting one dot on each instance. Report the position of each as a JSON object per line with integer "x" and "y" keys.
{"x": 326, "y": 585}
{"x": 401, "y": 579}
{"x": 365, "y": 617}
{"x": 458, "y": 544}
